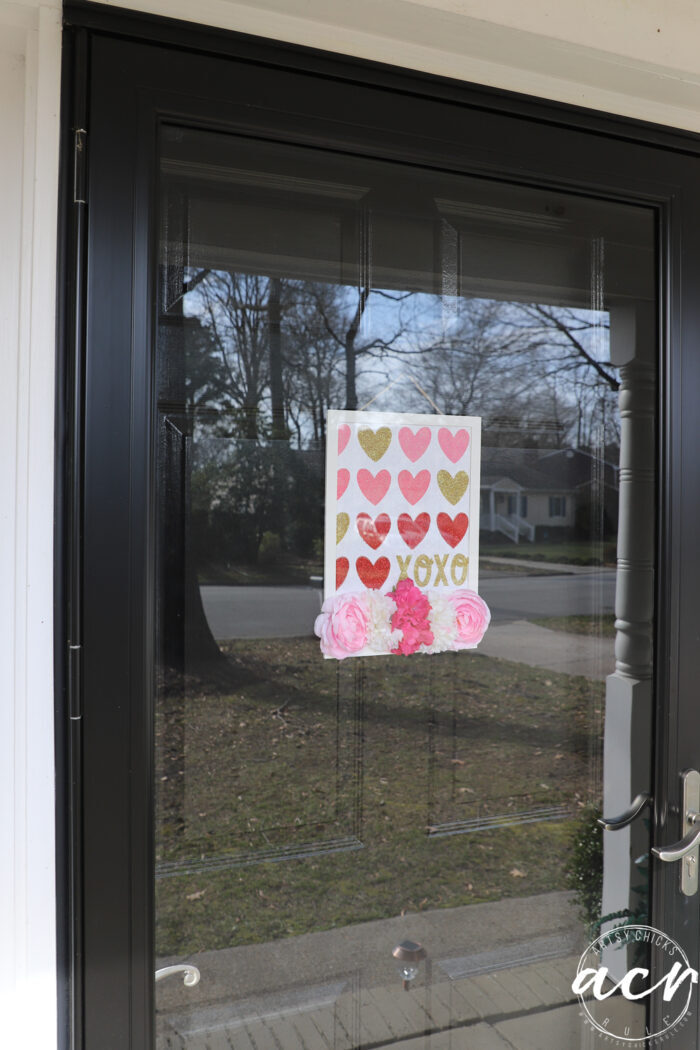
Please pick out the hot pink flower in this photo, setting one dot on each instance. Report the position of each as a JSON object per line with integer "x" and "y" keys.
{"x": 411, "y": 617}
{"x": 343, "y": 625}
{"x": 472, "y": 617}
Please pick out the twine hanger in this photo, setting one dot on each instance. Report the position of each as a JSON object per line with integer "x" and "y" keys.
{"x": 400, "y": 379}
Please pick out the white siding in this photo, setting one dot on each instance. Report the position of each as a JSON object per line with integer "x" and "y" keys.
{"x": 538, "y": 510}
{"x": 29, "y": 86}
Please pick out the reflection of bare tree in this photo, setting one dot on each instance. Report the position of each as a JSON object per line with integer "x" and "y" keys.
{"x": 296, "y": 347}
{"x": 236, "y": 309}
{"x": 574, "y": 347}
{"x": 292, "y": 343}
{"x": 526, "y": 368}
{"x": 478, "y": 364}
{"x": 342, "y": 319}
{"x": 564, "y": 330}
{"x": 313, "y": 361}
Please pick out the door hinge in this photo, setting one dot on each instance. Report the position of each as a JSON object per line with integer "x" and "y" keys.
{"x": 75, "y": 684}
{"x": 79, "y": 166}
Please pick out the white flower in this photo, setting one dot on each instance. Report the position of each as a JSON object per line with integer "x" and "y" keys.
{"x": 381, "y": 638}
{"x": 442, "y": 623}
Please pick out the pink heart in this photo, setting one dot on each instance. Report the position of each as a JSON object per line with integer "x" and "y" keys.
{"x": 414, "y": 445}
{"x": 343, "y": 481}
{"x": 453, "y": 445}
{"x": 374, "y": 488}
{"x": 343, "y": 436}
{"x": 414, "y": 488}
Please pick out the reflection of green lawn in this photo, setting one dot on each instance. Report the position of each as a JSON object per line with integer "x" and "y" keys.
{"x": 287, "y": 570}
{"x": 603, "y": 626}
{"x": 378, "y": 752}
{"x": 575, "y": 553}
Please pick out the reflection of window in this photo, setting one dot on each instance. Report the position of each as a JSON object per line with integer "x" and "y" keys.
{"x": 523, "y": 506}
{"x": 557, "y": 506}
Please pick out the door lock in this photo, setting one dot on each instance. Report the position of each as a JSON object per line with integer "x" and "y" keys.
{"x": 689, "y": 845}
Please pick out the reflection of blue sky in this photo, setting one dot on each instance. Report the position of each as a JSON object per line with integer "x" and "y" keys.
{"x": 471, "y": 356}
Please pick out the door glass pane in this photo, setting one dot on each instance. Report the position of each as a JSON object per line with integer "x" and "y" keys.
{"x": 313, "y": 815}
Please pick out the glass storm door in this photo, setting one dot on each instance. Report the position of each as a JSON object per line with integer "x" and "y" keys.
{"x": 323, "y": 854}
{"x": 313, "y": 816}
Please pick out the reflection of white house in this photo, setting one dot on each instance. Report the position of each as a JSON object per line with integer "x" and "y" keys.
{"x": 544, "y": 494}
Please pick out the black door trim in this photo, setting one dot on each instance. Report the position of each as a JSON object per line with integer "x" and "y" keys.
{"x": 192, "y": 36}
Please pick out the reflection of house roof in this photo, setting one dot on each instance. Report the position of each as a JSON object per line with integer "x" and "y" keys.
{"x": 542, "y": 470}
{"x": 498, "y": 481}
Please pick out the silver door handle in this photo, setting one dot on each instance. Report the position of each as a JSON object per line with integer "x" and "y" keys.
{"x": 640, "y": 802}
{"x": 680, "y": 849}
{"x": 688, "y": 849}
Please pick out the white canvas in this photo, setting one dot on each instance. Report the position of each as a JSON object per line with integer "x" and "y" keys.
{"x": 402, "y": 504}
{"x": 441, "y": 559}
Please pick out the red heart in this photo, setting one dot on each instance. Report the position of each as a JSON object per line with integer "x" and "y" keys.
{"x": 341, "y": 570}
{"x": 373, "y": 532}
{"x": 373, "y": 576}
{"x": 452, "y": 530}
{"x": 412, "y": 532}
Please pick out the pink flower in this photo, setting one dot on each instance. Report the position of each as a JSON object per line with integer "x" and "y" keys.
{"x": 411, "y": 617}
{"x": 343, "y": 625}
{"x": 472, "y": 617}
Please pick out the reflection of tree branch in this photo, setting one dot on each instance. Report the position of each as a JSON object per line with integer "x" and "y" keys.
{"x": 393, "y": 298}
{"x": 568, "y": 332}
{"x": 351, "y": 353}
{"x": 347, "y": 341}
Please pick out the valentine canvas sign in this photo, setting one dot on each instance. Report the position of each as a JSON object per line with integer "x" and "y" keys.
{"x": 401, "y": 534}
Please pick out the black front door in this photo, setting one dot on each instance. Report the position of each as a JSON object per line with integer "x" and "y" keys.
{"x": 284, "y": 851}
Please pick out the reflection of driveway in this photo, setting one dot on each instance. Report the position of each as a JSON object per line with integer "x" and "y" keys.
{"x": 289, "y": 612}
{"x": 528, "y": 643}
{"x": 261, "y": 612}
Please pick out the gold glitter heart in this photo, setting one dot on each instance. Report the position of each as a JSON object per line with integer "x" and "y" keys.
{"x": 342, "y": 521}
{"x": 375, "y": 442}
{"x": 453, "y": 488}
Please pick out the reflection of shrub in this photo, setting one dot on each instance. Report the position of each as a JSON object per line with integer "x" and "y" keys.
{"x": 585, "y": 876}
{"x": 585, "y": 872}
{"x": 254, "y": 489}
{"x": 270, "y": 547}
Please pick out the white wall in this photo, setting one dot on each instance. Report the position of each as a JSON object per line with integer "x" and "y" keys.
{"x": 634, "y": 57}
{"x": 29, "y": 69}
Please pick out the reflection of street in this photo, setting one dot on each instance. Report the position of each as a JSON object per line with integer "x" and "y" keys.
{"x": 289, "y": 612}
{"x": 527, "y": 597}
{"x": 260, "y": 612}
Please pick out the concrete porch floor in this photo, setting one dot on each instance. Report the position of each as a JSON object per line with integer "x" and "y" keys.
{"x": 497, "y": 977}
